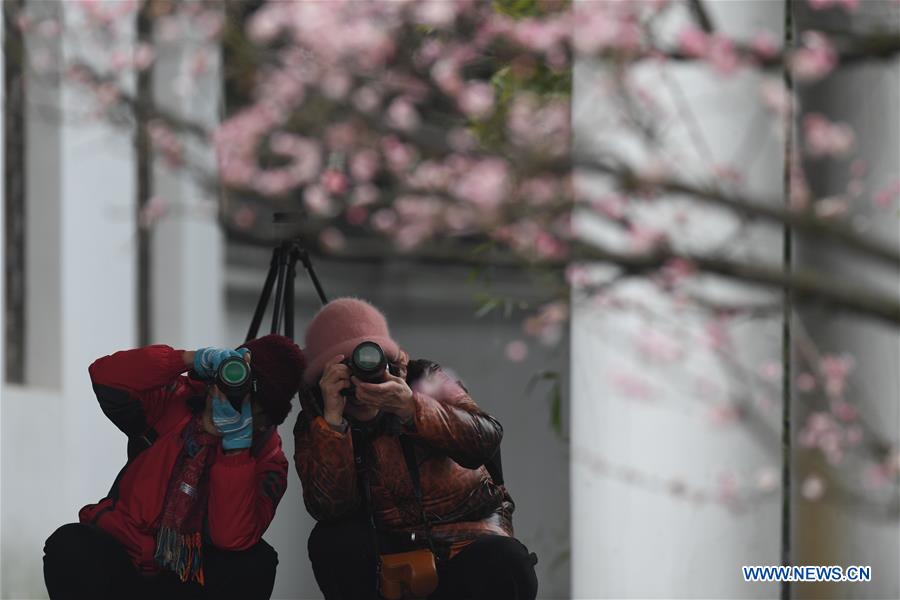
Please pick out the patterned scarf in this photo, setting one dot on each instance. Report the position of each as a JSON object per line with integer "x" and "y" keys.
{"x": 178, "y": 541}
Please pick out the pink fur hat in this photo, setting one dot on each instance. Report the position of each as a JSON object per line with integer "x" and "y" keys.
{"x": 337, "y": 329}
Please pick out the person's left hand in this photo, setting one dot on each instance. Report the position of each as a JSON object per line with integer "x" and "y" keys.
{"x": 236, "y": 427}
{"x": 392, "y": 395}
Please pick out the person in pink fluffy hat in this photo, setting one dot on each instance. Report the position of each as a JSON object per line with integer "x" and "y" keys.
{"x": 399, "y": 463}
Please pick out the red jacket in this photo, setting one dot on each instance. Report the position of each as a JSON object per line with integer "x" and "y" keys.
{"x": 145, "y": 386}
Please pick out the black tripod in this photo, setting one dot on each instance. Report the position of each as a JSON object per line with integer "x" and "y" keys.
{"x": 282, "y": 269}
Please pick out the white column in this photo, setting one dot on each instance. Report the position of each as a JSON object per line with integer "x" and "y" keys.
{"x": 633, "y": 535}
{"x": 188, "y": 247}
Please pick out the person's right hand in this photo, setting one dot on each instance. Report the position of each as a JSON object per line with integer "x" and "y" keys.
{"x": 335, "y": 378}
{"x": 207, "y": 360}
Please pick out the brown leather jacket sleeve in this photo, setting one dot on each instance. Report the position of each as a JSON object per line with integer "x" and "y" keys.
{"x": 449, "y": 420}
{"x": 324, "y": 461}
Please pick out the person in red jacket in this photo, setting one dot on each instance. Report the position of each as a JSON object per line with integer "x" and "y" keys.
{"x": 359, "y": 457}
{"x": 186, "y": 515}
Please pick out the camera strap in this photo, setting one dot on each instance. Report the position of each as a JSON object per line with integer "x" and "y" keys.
{"x": 409, "y": 453}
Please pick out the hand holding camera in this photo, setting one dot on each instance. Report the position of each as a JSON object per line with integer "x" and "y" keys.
{"x": 392, "y": 395}
{"x": 334, "y": 381}
{"x": 236, "y": 427}
{"x": 365, "y": 379}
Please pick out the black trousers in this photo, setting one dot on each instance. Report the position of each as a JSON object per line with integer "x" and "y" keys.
{"x": 83, "y": 561}
{"x": 492, "y": 567}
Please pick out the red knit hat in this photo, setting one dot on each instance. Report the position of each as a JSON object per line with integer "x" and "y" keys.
{"x": 277, "y": 364}
{"x": 337, "y": 329}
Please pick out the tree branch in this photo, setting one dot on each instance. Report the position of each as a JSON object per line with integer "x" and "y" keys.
{"x": 805, "y": 221}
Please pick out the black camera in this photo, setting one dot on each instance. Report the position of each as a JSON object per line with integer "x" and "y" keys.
{"x": 367, "y": 363}
{"x": 235, "y": 379}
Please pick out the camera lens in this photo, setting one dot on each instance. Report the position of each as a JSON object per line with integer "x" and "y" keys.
{"x": 233, "y": 379}
{"x": 234, "y": 372}
{"x": 368, "y": 361}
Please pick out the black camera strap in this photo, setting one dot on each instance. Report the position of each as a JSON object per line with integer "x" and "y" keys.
{"x": 409, "y": 453}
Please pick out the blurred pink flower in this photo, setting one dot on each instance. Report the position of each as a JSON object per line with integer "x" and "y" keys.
{"x": 244, "y": 217}
{"x": 485, "y": 184}
{"x": 885, "y": 197}
{"x": 403, "y": 115}
{"x": 644, "y": 238}
{"x": 835, "y": 370}
{"x": 722, "y": 55}
{"x": 728, "y": 487}
{"x": 775, "y": 95}
{"x": 577, "y": 275}
{"x": 654, "y": 345}
{"x": 832, "y": 207}
{"x": 630, "y": 385}
{"x": 770, "y": 371}
{"x": 816, "y": 59}
{"x": 693, "y": 41}
{"x": 767, "y": 479}
{"x": 848, "y": 5}
{"x": 398, "y": 155}
{"x": 724, "y": 414}
{"x": 364, "y": 195}
{"x": 335, "y": 84}
{"x": 826, "y": 138}
{"x": 477, "y": 99}
{"x": 366, "y": 99}
{"x": 438, "y": 13}
{"x": 516, "y": 350}
{"x": 332, "y": 239}
{"x": 876, "y": 476}
{"x": 144, "y": 55}
{"x": 317, "y": 201}
{"x": 334, "y": 182}
{"x": 806, "y": 382}
{"x": 364, "y": 165}
{"x": 716, "y": 336}
{"x": 153, "y": 211}
{"x": 356, "y": 215}
{"x": 384, "y": 220}
{"x": 844, "y": 411}
{"x": 813, "y": 488}
{"x": 765, "y": 45}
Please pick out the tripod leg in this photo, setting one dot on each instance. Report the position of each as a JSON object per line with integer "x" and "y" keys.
{"x": 304, "y": 256}
{"x": 264, "y": 296}
{"x": 279, "y": 291}
{"x": 289, "y": 296}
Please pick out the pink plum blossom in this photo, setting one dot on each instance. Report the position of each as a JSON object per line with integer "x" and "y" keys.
{"x": 806, "y": 382}
{"x": 316, "y": 199}
{"x": 364, "y": 165}
{"x": 693, "y": 41}
{"x": 477, "y": 99}
{"x": 886, "y": 196}
{"x": 775, "y": 95}
{"x": 516, "y": 350}
{"x": 765, "y": 45}
{"x": 722, "y": 55}
{"x": 654, "y": 345}
{"x": 816, "y": 59}
{"x": 332, "y": 239}
{"x": 813, "y": 488}
{"x": 835, "y": 370}
{"x": 631, "y": 385}
{"x": 334, "y": 182}
{"x": 826, "y": 138}
{"x": 485, "y": 185}
{"x": 767, "y": 479}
